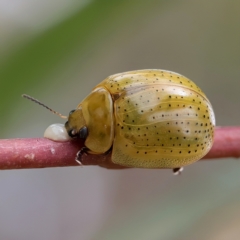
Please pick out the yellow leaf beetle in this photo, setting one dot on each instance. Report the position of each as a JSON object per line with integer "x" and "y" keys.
{"x": 147, "y": 118}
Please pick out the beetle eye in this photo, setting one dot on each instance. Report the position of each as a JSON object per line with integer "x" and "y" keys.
{"x": 83, "y": 132}
{"x": 72, "y": 133}
{"x": 72, "y": 111}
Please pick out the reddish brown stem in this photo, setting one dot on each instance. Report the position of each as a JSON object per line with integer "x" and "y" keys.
{"x": 41, "y": 152}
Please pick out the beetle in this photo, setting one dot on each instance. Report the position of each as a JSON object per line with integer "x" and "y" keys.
{"x": 148, "y": 119}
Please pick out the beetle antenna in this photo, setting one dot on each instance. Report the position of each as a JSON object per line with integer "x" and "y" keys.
{"x": 36, "y": 101}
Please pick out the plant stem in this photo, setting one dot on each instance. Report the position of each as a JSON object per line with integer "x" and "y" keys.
{"x": 42, "y": 153}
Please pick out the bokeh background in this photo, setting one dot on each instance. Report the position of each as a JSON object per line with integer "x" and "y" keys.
{"x": 57, "y": 51}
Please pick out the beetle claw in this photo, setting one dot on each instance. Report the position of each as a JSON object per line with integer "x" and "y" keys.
{"x": 177, "y": 171}
{"x": 78, "y": 157}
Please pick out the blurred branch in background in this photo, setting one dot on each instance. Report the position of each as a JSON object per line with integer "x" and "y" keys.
{"x": 42, "y": 153}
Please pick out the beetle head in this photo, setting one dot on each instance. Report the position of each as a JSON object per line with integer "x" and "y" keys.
{"x": 76, "y": 125}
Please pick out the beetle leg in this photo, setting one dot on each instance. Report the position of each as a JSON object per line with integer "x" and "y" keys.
{"x": 83, "y": 151}
{"x": 177, "y": 171}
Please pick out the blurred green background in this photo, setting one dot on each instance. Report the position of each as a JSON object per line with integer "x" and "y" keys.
{"x": 57, "y": 51}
